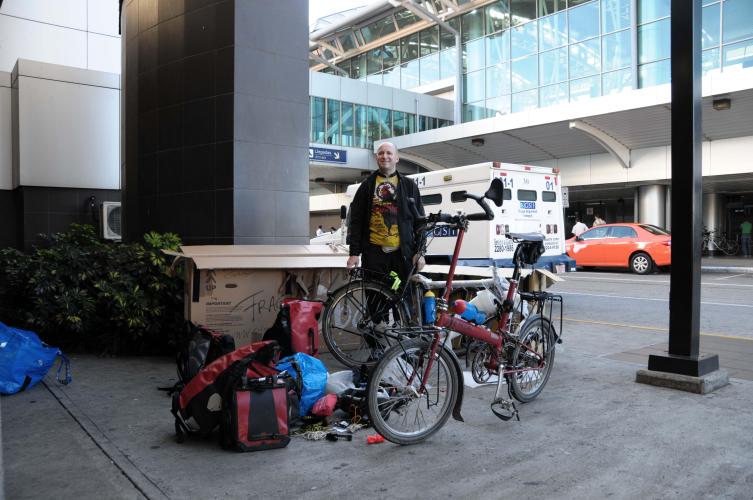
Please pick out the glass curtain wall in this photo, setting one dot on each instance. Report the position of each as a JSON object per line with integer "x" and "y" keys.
{"x": 523, "y": 54}
{"x": 355, "y": 125}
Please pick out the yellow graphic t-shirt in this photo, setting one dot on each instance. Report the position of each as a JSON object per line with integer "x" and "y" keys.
{"x": 383, "y": 220}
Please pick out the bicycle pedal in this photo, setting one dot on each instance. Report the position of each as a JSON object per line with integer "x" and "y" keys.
{"x": 505, "y": 409}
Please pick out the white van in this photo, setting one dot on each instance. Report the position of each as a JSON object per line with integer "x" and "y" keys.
{"x": 532, "y": 204}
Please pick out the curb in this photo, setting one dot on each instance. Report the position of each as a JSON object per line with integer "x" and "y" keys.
{"x": 727, "y": 269}
{"x": 140, "y": 481}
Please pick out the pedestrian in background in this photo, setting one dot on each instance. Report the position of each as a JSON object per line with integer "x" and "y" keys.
{"x": 598, "y": 221}
{"x": 579, "y": 227}
{"x": 745, "y": 234}
{"x": 319, "y": 230}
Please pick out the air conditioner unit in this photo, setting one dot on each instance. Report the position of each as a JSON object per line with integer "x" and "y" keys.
{"x": 111, "y": 220}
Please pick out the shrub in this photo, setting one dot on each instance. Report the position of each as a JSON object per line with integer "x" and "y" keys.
{"x": 79, "y": 291}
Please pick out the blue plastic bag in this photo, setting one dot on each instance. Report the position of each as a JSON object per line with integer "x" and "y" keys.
{"x": 25, "y": 360}
{"x": 314, "y": 376}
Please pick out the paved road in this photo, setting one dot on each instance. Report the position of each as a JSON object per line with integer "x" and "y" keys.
{"x": 623, "y": 298}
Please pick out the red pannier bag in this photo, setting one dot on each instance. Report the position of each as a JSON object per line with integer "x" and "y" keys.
{"x": 257, "y": 414}
{"x": 304, "y": 325}
{"x": 198, "y": 407}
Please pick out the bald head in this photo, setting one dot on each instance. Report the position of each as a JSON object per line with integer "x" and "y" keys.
{"x": 387, "y": 158}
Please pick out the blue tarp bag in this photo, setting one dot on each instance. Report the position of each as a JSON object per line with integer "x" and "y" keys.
{"x": 313, "y": 378}
{"x": 25, "y": 360}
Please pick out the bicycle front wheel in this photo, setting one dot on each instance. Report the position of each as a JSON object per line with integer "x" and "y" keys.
{"x": 407, "y": 404}
{"x": 532, "y": 359}
{"x": 356, "y": 322}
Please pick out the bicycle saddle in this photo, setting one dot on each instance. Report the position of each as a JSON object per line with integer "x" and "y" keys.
{"x": 526, "y": 236}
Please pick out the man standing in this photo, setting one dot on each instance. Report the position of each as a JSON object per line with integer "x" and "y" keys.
{"x": 382, "y": 225}
{"x": 745, "y": 236}
{"x": 319, "y": 230}
{"x": 579, "y": 227}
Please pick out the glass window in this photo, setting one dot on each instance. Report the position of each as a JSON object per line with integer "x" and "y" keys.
{"x": 398, "y": 124}
{"x": 374, "y": 61}
{"x": 547, "y": 7}
{"x": 523, "y": 101}
{"x": 447, "y": 39}
{"x": 522, "y": 11}
{"x": 583, "y": 22}
{"x": 317, "y": 120}
{"x": 585, "y": 88}
{"x": 526, "y": 195}
{"x": 585, "y": 58}
{"x": 595, "y": 233}
{"x": 358, "y": 66}
{"x": 524, "y": 39}
{"x": 458, "y": 196}
{"x": 615, "y": 15}
{"x": 616, "y": 81}
{"x": 653, "y": 41}
{"x": 473, "y": 112}
{"x": 710, "y": 60}
{"x": 738, "y": 20}
{"x": 429, "y": 40}
{"x": 553, "y": 66}
{"x": 648, "y": 10}
{"x": 409, "y": 75}
{"x": 739, "y": 55}
{"x": 497, "y": 17}
{"x": 616, "y": 50}
{"x": 525, "y": 73}
{"x": 507, "y": 194}
{"x": 375, "y": 78}
{"x": 622, "y": 232}
{"x": 432, "y": 199}
{"x": 361, "y": 126}
{"x": 655, "y": 230}
{"x": 448, "y": 62}
{"x": 498, "y": 80}
{"x": 574, "y": 3}
{"x": 429, "y": 68}
{"x": 410, "y": 123}
{"x": 498, "y": 48}
{"x": 391, "y": 54}
{"x": 710, "y": 26}
{"x": 405, "y": 18}
{"x": 347, "y": 42}
{"x": 391, "y": 77}
{"x": 473, "y": 55}
{"x": 473, "y": 24}
{"x": 377, "y": 30}
{"x": 346, "y": 127}
{"x": 656, "y": 73}
{"x": 345, "y": 66}
{"x": 498, "y": 106}
{"x": 385, "y": 123}
{"x": 373, "y": 127}
{"x": 333, "y": 122}
{"x": 473, "y": 86}
{"x": 409, "y": 46}
{"x": 553, "y": 94}
{"x": 548, "y": 196}
{"x": 553, "y": 31}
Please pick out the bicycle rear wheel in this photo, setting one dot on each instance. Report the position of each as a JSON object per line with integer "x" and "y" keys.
{"x": 356, "y": 322}
{"x": 534, "y": 357}
{"x": 399, "y": 408}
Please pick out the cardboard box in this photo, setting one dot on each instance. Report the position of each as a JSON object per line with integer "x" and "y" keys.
{"x": 237, "y": 289}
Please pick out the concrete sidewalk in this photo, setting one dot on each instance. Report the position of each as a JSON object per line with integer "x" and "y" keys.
{"x": 592, "y": 433}
{"x": 725, "y": 264}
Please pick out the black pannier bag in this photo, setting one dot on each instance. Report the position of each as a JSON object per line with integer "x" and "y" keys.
{"x": 257, "y": 414}
{"x": 197, "y": 408}
{"x": 202, "y": 348}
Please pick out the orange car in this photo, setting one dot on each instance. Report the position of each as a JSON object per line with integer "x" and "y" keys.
{"x": 639, "y": 247}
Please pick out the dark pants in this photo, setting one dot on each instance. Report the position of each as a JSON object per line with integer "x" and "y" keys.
{"x": 380, "y": 263}
{"x": 745, "y": 239}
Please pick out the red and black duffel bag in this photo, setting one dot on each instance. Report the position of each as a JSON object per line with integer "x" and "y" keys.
{"x": 296, "y": 328}
{"x": 256, "y": 416}
{"x": 198, "y": 406}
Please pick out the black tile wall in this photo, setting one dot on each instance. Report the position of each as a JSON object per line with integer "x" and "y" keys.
{"x": 8, "y": 218}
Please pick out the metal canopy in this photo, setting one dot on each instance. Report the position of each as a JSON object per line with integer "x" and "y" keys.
{"x": 638, "y": 119}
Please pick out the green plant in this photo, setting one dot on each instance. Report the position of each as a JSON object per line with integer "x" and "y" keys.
{"x": 78, "y": 290}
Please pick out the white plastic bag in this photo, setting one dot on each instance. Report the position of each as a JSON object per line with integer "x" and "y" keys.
{"x": 339, "y": 381}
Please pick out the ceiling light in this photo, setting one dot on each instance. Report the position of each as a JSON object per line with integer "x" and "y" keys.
{"x": 722, "y": 104}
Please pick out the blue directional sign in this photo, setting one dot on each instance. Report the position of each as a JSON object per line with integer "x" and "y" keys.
{"x": 327, "y": 154}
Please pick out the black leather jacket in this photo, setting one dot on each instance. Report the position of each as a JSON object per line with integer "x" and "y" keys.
{"x": 360, "y": 213}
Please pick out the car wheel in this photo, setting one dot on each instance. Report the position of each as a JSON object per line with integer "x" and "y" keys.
{"x": 641, "y": 263}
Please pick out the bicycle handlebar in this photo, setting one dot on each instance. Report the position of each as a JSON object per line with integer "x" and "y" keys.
{"x": 452, "y": 219}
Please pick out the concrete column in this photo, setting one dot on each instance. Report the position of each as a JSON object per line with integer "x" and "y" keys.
{"x": 712, "y": 215}
{"x": 635, "y": 205}
{"x": 668, "y": 209}
{"x": 651, "y": 204}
